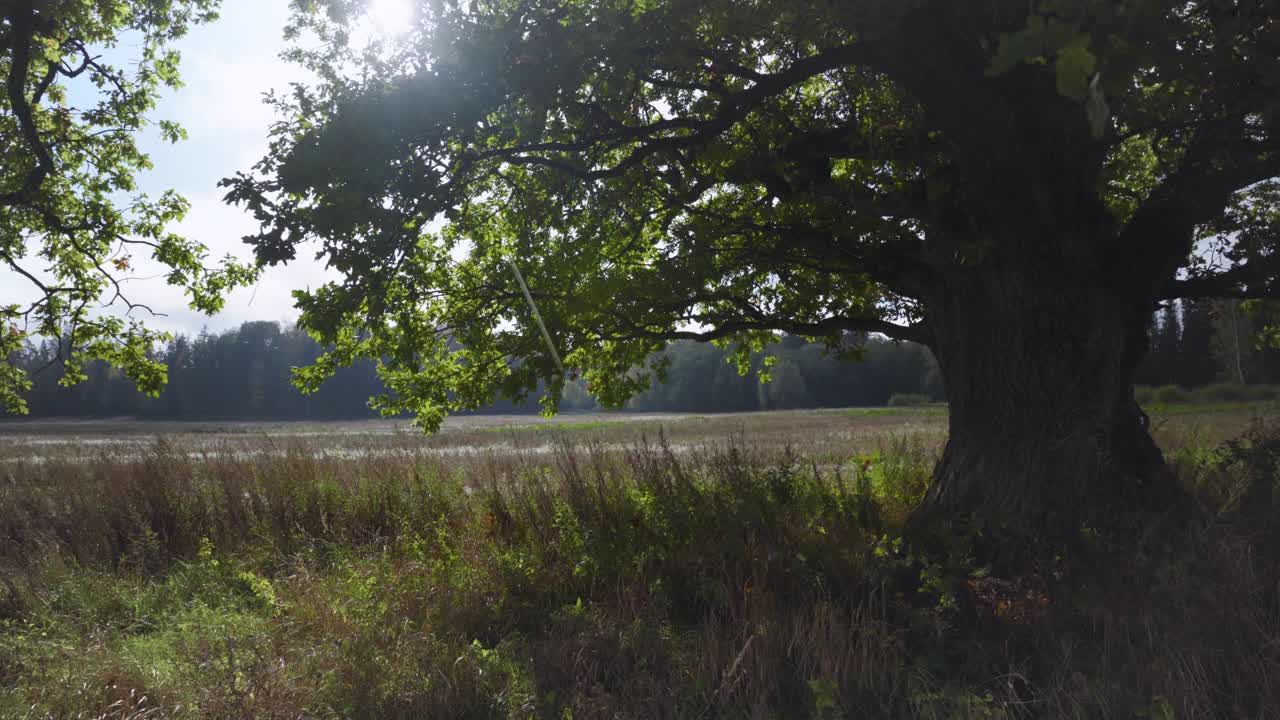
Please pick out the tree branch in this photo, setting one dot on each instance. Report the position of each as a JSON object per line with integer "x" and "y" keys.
{"x": 827, "y": 326}
{"x": 733, "y": 108}
{"x": 1254, "y": 280}
{"x": 22, "y": 22}
{"x": 1217, "y": 164}
{"x": 47, "y": 290}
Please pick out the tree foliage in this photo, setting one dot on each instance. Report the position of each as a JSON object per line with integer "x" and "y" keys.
{"x": 71, "y": 216}
{"x": 726, "y": 171}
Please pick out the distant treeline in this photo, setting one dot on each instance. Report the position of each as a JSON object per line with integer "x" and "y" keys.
{"x": 804, "y": 375}
{"x": 245, "y": 372}
{"x": 1197, "y": 343}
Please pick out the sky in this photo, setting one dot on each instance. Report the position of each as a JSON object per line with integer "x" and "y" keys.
{"x": 226, "y": 67}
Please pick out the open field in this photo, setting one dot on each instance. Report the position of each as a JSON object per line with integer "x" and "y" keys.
{"x": 600, "y": 566}
{"x": 823, "y": 435}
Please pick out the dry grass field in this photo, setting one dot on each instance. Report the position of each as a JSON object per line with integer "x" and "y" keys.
{"x": 599, "y": 566}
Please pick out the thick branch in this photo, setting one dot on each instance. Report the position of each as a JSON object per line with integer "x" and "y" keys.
{"x": 22, "y": 21}
{"x": 732, "y": 109}
{"x": 826, "y": 326}
{"x": 1255, "y": 280}
{"x": 1218, "y": 163}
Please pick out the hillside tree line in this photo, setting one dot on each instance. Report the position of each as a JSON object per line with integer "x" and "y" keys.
{"x": 246, "y": 373}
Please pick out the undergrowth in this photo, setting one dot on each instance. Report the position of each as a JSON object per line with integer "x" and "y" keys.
{"x": 599, "y": 583}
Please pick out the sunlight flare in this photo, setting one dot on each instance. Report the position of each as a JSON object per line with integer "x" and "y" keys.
{"x": 391, "y": 17}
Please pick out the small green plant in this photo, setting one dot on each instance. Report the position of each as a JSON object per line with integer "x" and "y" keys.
{"x": 257, "y": 589}
{"x": 1160, "y": 709}
{"x": 1171, "y": 394}
{"x": 1224, "y": 393}
{"x": 826, "y": 705}
{"x": 908, "y": 399}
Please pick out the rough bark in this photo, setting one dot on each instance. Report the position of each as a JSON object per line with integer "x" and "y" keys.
{"x": 1044, "y": 429}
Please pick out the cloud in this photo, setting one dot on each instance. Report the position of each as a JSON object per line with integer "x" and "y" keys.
{"x": 225, "y": 95}
{"x": 227, "y": 66}
{"x": 221, "y": 228}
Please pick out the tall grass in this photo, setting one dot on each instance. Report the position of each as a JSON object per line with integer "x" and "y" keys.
{"x": 722, "y": 581}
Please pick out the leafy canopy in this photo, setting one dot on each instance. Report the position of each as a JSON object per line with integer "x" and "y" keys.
{"x": 71, "y": 218}
{"x": 727, "y": 170}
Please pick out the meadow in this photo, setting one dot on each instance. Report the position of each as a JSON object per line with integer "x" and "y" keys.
{"x": 606, "y": 566}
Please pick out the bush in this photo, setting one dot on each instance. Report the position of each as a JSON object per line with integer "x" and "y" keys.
{"x": 1210, "y": 394}
{"x": 1222, "y": 393}
{"x": 1263, "y": 392}
{"x": 1256, "y": 496}
{"x": 1170, "y": 394}
{"x": 908, "y": 399}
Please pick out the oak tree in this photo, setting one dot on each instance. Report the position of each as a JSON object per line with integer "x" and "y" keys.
{"x": 1016, "y": 185}
{"x": 80, "y": 77}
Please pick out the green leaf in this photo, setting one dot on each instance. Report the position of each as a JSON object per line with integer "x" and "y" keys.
{"x": 1016, "y": 48}
{"x": 1074, "y": 68}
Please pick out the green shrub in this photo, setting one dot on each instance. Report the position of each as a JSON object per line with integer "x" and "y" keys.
{"x": 1222, "y": 393}
{"x": 1215, "y": 394}
{"x": 908, "y": 399}
{"x": 1171, "y": 394}
{"x": 1262, "y": 392}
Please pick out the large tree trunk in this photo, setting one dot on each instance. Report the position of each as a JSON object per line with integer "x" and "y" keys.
{"x": 1044, "y": 430}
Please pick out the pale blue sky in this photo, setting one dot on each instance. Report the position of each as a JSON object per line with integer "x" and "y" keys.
{"x": 226, "y": 66}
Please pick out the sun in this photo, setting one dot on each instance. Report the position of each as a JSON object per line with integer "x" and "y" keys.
{"x": 391, "y": 17}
